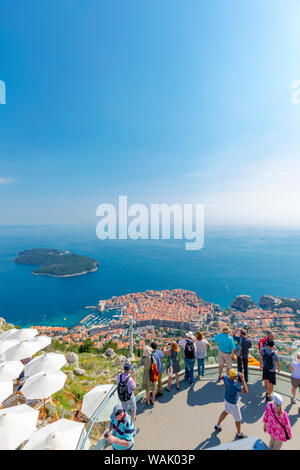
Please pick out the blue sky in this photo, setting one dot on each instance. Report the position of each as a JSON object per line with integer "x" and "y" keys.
{"x": 173, "y": 101}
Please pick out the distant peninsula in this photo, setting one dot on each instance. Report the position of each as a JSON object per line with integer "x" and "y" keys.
{"x": 57, "y": 263}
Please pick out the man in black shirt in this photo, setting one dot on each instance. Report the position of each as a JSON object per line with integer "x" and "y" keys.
{"x": 242, "y": 351}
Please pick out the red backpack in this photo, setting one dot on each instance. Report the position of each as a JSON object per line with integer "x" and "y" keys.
{"x": 154, "y": 374}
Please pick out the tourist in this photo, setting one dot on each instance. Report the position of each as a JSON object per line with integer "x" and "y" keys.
{"x": 126, "y": 382}
{"x": 149, "y": 386}
{"x": 277, "y": 423}
{"x": 158, "y": 355}
{"x": 121, "y": 431}
{"x": 268, "y": 362}
{"x": 295, "y": 378}
{"x": 262, "y": 341}
{"x": 188, "y": 347}
{"x": 173, "y": 366}
{"x": 242, "y": 351}
{"x": 201, "y": 346}
{"x": 232, "y": 390}
{"x": 226, "y": 348}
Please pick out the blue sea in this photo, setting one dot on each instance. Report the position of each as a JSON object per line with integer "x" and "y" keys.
{"x": 233, "y": 261}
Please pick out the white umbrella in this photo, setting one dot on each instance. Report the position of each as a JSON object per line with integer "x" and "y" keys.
{"x": 60, "y": 435}
{"x": 43, "y": 385}
{"x": 6, "y": 389}
{"x": 10, "y": 370}
{"x": 26, "y": 349}
{"x": 46, "y": 363}
{"x": 24, "y": 334}
{"x": 17, "y": 424}
{"x": 6, "y": 345}
{"x": 95, "y": 397}
{"x": 4, "y": 336}
{"x": 44, "y": 341}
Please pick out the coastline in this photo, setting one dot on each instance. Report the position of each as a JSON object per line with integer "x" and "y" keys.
{"x": 67, "y": 275}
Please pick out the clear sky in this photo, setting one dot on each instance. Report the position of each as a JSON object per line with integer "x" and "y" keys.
{"x": 163, "y": 101}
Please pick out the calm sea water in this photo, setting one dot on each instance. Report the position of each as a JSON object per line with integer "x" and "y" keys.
{"x": 232, "y": 262}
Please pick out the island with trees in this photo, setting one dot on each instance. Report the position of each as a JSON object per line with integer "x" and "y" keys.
{"x": 57, "y": 263}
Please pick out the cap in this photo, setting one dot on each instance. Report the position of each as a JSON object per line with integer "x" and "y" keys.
{"x": 116, "y": 411}
{"x": 232, "y": 373}
{"x": 127, "y": 366}
{"x": 190, "y": 334}
{"x": 277, "y": 398}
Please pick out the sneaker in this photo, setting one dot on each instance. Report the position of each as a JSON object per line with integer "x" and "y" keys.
{"x": 218, "y": 428}
{"x": 240, "y": 436}
{"x": 219, "y": 379}
{"x": 294, "y": 401}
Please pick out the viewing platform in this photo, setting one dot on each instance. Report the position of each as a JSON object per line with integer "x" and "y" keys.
{"x": 185, "y": 419}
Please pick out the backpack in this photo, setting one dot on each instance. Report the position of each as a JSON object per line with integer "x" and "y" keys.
{"x": 169, "y": 367}
{"x": 239, "y": 349}
{"x": 154, "y": 374}
{"x": 268, "y": 360}
{"x": 189, "y": 351}
{"x": 123, "y": 392}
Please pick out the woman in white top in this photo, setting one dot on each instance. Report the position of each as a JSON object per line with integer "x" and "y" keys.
{"x": 201, "y": 346}
{"x": 295, "y": 379}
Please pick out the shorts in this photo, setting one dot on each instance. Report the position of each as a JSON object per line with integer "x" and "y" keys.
{"x": 234, "y": 410}
{"x": 224, "y": 358}
{"x": 130, "y": 404}
{"x": 295, "y": 382}
{"x": 270, "y": 376}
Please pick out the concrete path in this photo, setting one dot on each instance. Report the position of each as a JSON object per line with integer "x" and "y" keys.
{"x": 186, "y": 419}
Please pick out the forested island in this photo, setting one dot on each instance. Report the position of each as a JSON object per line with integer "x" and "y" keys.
{"x": 58, "y": 263}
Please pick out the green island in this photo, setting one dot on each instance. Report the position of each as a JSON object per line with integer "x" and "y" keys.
{"x": 57, "y": 263}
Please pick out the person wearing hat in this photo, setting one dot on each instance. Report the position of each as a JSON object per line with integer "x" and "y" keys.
{"x": 126, "y": 385}
{"x": 146, "y": 361}
{"x": 189, "y": 352}
{"x": 232, "y": 389}
{"x": 226, "y": 349}
{"x": 121, "y": 431}
{"x": 277, "y": 423}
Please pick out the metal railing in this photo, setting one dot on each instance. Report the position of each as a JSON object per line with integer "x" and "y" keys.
{"x": 97, "y": 418}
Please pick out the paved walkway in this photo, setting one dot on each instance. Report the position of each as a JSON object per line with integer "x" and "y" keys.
{"x": 186, "y": 419}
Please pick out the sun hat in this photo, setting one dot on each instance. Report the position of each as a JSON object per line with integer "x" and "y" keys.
{"x": 116, "y": 411}
{"x": 147, "y": 351}
{"x": 232, "y": 373}
{"x": 226, "y": 329}
{"x": 277, "y": 398}
{"x": 190, "y": 335}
